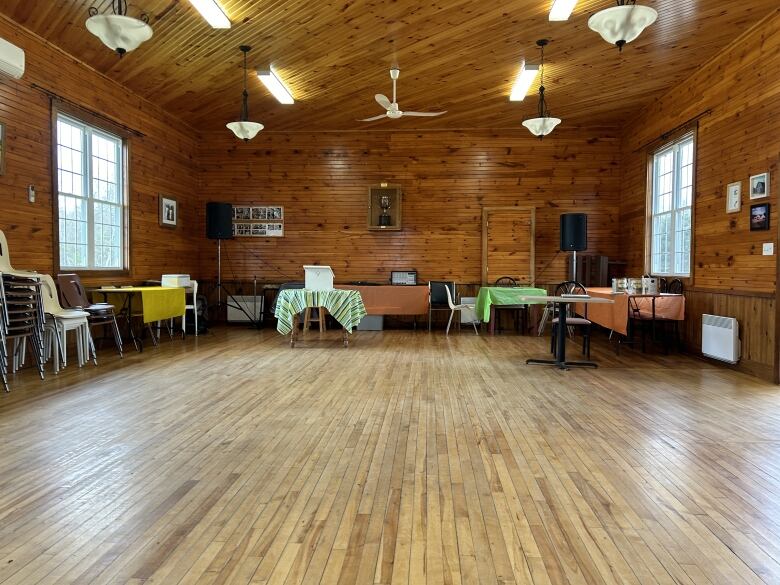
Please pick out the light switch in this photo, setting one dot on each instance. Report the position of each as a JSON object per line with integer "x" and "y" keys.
{"x": 769, "y": 249}
{"x": 31, "y": 193}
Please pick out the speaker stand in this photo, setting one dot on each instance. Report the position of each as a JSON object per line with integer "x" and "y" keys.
{"x": 219, "y": 273}
{"x": 574, "y": 266}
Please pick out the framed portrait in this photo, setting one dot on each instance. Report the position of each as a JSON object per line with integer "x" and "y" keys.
{"x": 759, "y": 186}
{"x": 759, "y": 217}
{"x": 2, "y": 148}
{"x": 169, "y": 212}
{"x": 734, "y": 197}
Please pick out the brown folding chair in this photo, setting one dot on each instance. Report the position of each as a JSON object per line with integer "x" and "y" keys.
{"x": 74, "y": 296}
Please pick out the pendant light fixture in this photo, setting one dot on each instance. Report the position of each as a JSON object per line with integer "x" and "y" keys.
{"x": 244, "y": 129}
{"x": 542, "y": 125}
{"x": 119, "y": 32}
{"x": 623, "y": 23}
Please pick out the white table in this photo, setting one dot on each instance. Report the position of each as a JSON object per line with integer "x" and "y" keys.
{"x": 560, "y": 351}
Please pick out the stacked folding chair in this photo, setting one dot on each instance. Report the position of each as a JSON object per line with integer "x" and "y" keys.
{"x": 21, "y": 322}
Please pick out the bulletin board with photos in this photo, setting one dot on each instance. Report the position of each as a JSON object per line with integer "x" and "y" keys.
{"x": 264, "y": 221}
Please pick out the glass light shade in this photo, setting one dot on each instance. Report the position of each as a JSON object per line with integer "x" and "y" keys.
{"x": 245, "y": 130}
{"x": 541, "y": 126}
{"x": 622, "y": 24}
{"x": 119, "y": 33}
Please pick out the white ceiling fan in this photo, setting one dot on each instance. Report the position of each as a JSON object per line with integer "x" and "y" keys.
{"x": 392, "y": 107}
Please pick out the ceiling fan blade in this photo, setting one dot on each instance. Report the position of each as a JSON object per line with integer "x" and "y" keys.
{"x": 424, "y": 113}
{"x": 379, "y": 117}
{"x": 383, "y": 101}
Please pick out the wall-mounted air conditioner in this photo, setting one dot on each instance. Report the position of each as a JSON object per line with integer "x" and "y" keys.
{"x": 11, "y": 59}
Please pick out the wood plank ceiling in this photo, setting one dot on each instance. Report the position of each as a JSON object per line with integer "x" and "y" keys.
{"x": 456, "y": 55}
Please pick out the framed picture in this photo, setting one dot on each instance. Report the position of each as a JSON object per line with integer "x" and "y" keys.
{"x": 734, "y": 197}
{"x": 759, "y": 217}
{"x": 275, "y": 230}
{"x": 2, "y": 148}
{"x": 169, "y": 212}
{"x": 759, "y": 186}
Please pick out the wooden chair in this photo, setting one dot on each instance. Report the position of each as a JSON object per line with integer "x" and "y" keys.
{"x": 572, "y": 287}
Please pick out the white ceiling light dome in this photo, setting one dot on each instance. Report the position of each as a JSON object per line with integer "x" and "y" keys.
{"x": 117, "y": 31}
{"x": 623, "y": 23}
{"x": 541, "y": 126}
{"x": 245, "y": 130}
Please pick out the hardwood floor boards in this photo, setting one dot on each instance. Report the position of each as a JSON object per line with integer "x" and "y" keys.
{"x": 407, "y": 458}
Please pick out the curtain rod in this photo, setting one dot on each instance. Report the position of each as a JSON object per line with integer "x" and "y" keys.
{"x": 55, "y": 96}
{"x": 666, "y": 135}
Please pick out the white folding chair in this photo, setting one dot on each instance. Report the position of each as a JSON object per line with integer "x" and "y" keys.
{"x": 457, "y": 308}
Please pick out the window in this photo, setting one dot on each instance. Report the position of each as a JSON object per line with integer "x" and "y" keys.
{"x": 672, "y": 198}
{"x": 91, "y": 198}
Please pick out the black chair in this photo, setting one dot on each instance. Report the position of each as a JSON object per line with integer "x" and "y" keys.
{"x": 437, "y": 297}
{"x": 675, "y": 287}
{"x": 643, "y": 317}
{"x": 520, "y": 311}
{"x": 572, "y": 287}
{"x": 285, "y": 286}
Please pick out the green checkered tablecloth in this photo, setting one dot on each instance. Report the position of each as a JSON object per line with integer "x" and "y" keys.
{"x": 500, "y": 295}
{"x": 346, "y": 306}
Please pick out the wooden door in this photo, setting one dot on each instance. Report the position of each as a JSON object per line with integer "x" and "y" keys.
{"x": 508, "y": 235}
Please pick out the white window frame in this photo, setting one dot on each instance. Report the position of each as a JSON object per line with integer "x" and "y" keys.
{"x": 675, "y": 148}
{"x": 87, "y": 188}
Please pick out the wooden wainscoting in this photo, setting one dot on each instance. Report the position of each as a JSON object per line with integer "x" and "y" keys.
{"x": 756, "y": 316}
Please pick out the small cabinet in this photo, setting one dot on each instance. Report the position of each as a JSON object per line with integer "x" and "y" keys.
{"x": 384, "y": 207}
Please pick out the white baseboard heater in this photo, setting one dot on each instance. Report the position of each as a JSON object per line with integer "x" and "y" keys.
{"x": 720, "y": 338}
{"x": 252, "y": 305}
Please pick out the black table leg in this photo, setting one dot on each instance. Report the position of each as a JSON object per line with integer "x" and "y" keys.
{"x": 137, "y": 341}
{"x": 560, "y": 349}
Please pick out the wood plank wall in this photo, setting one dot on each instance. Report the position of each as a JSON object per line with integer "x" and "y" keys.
{"x": 163, "y": 161}
{"x": 322, "y": 180}
{"x": 739, "y": 138}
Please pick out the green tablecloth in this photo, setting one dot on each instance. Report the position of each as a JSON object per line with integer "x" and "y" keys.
{"x": 346, "y": 306}
{"x": 500, "y": 295}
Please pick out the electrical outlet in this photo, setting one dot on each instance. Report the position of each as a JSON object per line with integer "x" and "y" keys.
{"x": 31, "y": 193}
{"x": 769, "y": 249}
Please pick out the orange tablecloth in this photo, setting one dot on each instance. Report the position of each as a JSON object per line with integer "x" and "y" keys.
{"x": 392, "y": 300}
{"x": 615, "y": 317}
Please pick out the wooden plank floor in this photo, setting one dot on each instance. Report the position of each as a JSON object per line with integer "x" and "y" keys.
{"x": 407, "y": 458}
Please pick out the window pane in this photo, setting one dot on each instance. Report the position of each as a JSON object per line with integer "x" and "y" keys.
{"x": 672, "y": 199}
{"x": 90, "y": 196}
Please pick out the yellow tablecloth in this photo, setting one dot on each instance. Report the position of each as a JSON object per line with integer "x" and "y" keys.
{"x": 159, "y": 303}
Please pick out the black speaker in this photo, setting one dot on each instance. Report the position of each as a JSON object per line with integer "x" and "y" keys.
{"x": 574, "y": 232}
{"x": 219, "y": 221}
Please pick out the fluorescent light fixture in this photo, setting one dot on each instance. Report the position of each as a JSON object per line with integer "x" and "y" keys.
{"x": 523, "y": 83}
{"x": 212, "y": 12}
{"x": 561, "y": 9}
{"x": 276, "y": 86}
